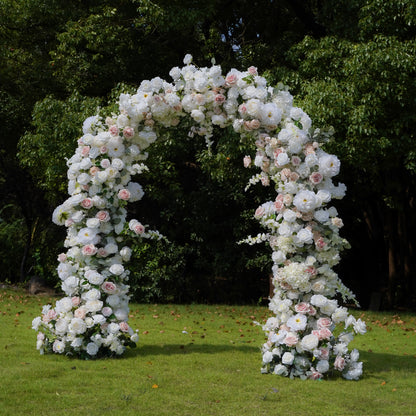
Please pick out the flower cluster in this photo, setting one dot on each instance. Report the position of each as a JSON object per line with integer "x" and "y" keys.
{"x": 303, "y": 233}
{"x": 91, "y": 320}
{"x": 302, "y": 229}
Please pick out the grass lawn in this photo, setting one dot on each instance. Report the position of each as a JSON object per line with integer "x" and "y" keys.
{"x": 197, "y": 360}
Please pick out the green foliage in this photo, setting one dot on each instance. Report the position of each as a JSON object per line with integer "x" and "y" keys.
{"x": 56, "y": 125}
{"x": 13, "y": 236}
{"x": 158, "y": 272}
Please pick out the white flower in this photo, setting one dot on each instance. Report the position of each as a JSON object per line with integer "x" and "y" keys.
{"x": 309, "y": 342}
{"x": 359, "y": 327}
{"x": 92, "y": 348}
{"x": 63, "y": 305}
{"x": 354, "y": 371}
{"x": 329, "y": 165}
{"x": 136, "y": 191}
{"x": 287, "y": 358}
{"x": 61, "y": 326}
{"x": 318, "y": 300}
{"x": 267, "y": 357}
{"x": 187, "y": 59}
{"x": 94, "y": 277}
{"x": 36, "y": 323}
{"x": 113, "y": 328}
{"x": 322, "y": 366}
{"x": 278, "y": 257}
{"x": 270, "y": 114}
{"x": 297, "y": 322}
{"x": 198, "y": 115}
{"x": 280, "y": 370}
{"x": 117, "y": 269}
{"x": 77, "y": 326}
{"x": 87, "y": 236}
{"x": 90, "y": 124}
{"x": 304, "y": 236}
{"x": 94, "y": 305}
{"x": 58, "y": 346}
{"x": 305, "y": 201}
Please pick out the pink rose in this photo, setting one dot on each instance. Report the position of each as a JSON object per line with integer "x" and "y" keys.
{"x": 291, "y": 339}
{"x": 242, "y": 109}
{"x": 113, "y": 130}
{"x": 69, "y": 222}
{"x": 87, "y": 203}
{"x": 315, "y": 375}
{"x": 109, "y": 287}
{"x": 231, "y": 79}
{"x": 325, "y": 333}
{"x": 124, "y": 326}
{"x": 85, "y": 151}
{"x": 339, "y": 363}
{"x": 138, "y": 228}
{"x": 316, "y": 178}
{"x": 94, "y": 170}
{"x": 102, "y": 252}
{"x": 62, "y": 257}
{"x": 124, "y": 194}
{"x": 247, "y": 161}
{"x": 323, "y": 354}
{"x": 49, "y": 316}
{"x": 219, "y": 98}
{"x": 128, "y": 132}
{"x": 80, "y": 313}
{"x": 296, "y": 160}
{"x": 89, "y": 250}
{"x": 302, "y": 307}
{"x": 320, "y": 243}
{"x": 103, "y": 216}
{"x": 324, "y": 323}
{"x": 75, "y": 301}
{"x": 103, "y": 150}
{"x": 259, "y": 212}
{"x": 254, "y": 124}
{"x": 252, "y": 70}
{"x": 265, "y": 181}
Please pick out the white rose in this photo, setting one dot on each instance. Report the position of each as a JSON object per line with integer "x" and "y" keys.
{"x": 280, "y": 370}
{"x": 309, "y": 342}
{"x": 287, "y": 358}
{"x": 92, "y": 348}
{"x": 117, "y": 269}
{"x": 322, "y": 366}
{"x": 267, "y": 357}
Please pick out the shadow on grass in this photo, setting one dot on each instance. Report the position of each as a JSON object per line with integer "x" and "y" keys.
{"x": 173, "y": 349}
{"x": 375, "y": 362}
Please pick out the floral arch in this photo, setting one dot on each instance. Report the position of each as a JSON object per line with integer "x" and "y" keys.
{"x": 302, "y": 229}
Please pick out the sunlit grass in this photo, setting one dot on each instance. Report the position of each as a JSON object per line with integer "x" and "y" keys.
{"x": 197, "y": 360}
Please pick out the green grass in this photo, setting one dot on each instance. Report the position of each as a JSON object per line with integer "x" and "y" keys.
{"x": 212, "y": 369}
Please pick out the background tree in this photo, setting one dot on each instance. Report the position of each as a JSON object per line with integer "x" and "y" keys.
{"x": 349, "y": 63}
